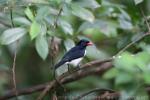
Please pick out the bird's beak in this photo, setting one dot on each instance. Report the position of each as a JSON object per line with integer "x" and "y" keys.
{"x": 89, "y": 43}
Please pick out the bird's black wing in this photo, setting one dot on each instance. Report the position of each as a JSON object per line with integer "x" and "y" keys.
{"x": 72, "y": 54}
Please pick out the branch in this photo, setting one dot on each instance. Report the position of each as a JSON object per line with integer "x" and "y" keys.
{"x": 145, "y": 18}
{"x": 14, "y": 59}
{"x": 102, "y": 66}
{"x": 84, "y": 72}
{"x": 94, "y": 67}
{"x": 57, "y": 17}
{"x": 133, "y": 42}
{"x": 121, "y": 51}
{"x": 100, "y": 90}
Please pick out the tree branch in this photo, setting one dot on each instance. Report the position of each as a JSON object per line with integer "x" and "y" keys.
{"x": 100, "y": 90}
{"x": 91, "y": 68}
{"x": 133, "y": 42}
{"x": 121, "y": 51}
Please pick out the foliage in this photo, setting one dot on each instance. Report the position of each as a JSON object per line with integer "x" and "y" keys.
{"x": 48, "y": 28}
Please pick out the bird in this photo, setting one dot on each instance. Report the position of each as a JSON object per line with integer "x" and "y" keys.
{"x": 75, "y": 54}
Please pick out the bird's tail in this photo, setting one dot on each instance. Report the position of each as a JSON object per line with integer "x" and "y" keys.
{"x": 54, "y": 73}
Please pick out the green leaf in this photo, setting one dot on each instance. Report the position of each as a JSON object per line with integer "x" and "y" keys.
{"x": 126, "y": 62}
{"x": 138, "y": 1}
{"x": 142, "y": 60}
{"x": 34, "y": 29}
{"x": 21, "y": 20}
{"x": 42, "y": 13}
{"x": 82, "y": 13}
{"x": 43, "y": 28}
{"x": 125, "y": 20}
{"x": 88, "y": 3}
{"x": 29, "y": 14}
{"x": 11, "y": 35}
{"x": 69, "y": 44}
{"x": 112, "y": 73}
{"x": 146, "y": 76}
{"x": 42, "y": 46}
{"x": 123, "y": 41}
{"x": 124, "y": 24}
{"x": 108, "y": 28}
{"x": 98, "y": 53}
{"x": 123, "y": 78}
{"x": 66, "y": 27}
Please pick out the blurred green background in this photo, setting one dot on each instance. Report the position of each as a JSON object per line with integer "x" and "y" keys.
{"x": 41, "y": 36}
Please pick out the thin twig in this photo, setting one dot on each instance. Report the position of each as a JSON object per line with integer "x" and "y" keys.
{"x": 14, "y": 60}
{"x": 11, "y": 18}
{"x": 138, "y": 39}
{"x": 142, "y": 12}
{"x": 130, "y": 44}
{"x": 57, "y": 17}
{"x": 14, "y": 74}
{"x": 100, "y": 90}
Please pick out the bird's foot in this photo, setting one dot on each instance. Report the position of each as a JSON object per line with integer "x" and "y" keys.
{"x": 76, "y": 69}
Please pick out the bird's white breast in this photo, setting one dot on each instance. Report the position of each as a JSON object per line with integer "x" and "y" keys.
{"x": 85, "y": 53}
{"x": 75, "y": 62}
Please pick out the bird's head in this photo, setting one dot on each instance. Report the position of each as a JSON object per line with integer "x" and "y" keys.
{"x": 84, "y": 43}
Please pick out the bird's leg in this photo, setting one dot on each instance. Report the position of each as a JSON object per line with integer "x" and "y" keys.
{"x": 69, "y": 70}
{"x": 77, "y": 68}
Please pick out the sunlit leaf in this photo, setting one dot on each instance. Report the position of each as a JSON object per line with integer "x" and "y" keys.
{"x": 125, "y": 20}
{"x": 29, "y": 13}
{"x": 124, "y": 41}
{"x": 142, "y": 60}
{"x": 42, "y": 46}
{"x": 82, "y": 13}
{"x": 126, "y": 62}
{"x": 123, "y": 78}
{"x": 43, "y": 28}
{"x": 50, "y": 19}
{"x": 21, "y": 20}
{"x": 137, "y": 36}
{"x": 42, "y": 12}
{"x": 98, "y": 53}
{"x": 67, "y": 28}
{"x": 34, "y": 29}
{"x": 106, "y": 27}
{"x": 124, "y": 24}
{"x": 69, "y": 44}
{"x": 125, "y": 15}
{"x": 88, "y": 3}
{"x": 146, "y": 76}
{"x": 138, "y": 1}
{"x": 112, "y": 73}
{"x": 11, "y": 35}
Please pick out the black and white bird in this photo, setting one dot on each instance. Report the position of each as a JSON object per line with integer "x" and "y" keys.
{"x": 75, "y": 54}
